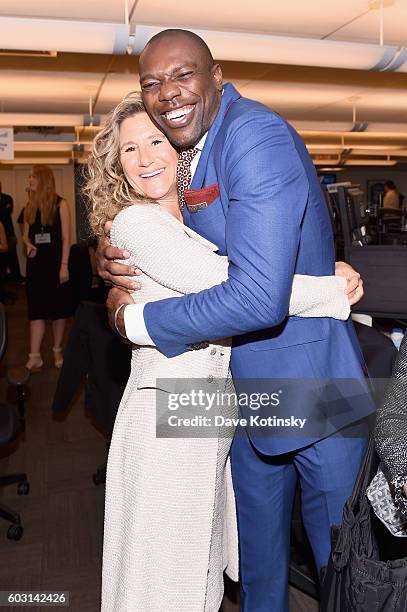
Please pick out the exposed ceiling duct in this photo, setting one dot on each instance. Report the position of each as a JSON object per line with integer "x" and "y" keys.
{"x": 270, "y": 49}
{"x": 29, "y": 34}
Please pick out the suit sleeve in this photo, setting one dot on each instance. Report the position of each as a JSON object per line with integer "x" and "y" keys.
{"x": 175, "y": 260}
{"x": 268, "y": 190}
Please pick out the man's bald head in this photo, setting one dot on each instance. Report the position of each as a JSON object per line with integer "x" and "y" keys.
{"x": 181, "y": 85}
{"x": 177, "y": 35}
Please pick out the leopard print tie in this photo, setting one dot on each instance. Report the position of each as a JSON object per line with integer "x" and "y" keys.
{"x": 184, "y": 176}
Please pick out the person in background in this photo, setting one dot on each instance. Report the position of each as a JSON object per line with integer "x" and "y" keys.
{"x": 391, "y": 197}
{"x": 3, "y": 262}
{"x": 3, "y": 239}
{"x": 20, "y": 221}
{"x": 46, "y": 238}
{"x": 6, "y": 210}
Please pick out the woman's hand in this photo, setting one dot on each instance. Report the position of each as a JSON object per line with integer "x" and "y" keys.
{"x": 354, "y": 283}
{"x": 112, "y": 272}
{"x": 63, "y": 274}
{"x": 31, "y": 250}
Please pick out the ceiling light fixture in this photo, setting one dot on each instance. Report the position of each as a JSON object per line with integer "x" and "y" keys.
{"x": 370, "y": 162}
{"x": 331, "y": 169}
{"x": 20, "y": 53}
{"x": 30, "y": 161}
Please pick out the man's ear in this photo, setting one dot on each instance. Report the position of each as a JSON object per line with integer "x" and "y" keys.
{"x": 217, "y": 76}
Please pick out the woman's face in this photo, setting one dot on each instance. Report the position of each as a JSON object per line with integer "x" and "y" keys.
{"x": 148, "y": 160}
{"x": 32, "y": 181}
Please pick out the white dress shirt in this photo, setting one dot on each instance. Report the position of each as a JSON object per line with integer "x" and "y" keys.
{"x": 135, "y": 327}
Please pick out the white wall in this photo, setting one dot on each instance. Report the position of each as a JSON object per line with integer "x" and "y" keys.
{"x": 14, "y": 181}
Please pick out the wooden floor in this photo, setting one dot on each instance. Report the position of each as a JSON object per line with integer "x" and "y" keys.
{"x": 61, "y": 548}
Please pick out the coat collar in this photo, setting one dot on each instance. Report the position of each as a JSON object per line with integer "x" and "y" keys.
{"x": 190, "y": 232}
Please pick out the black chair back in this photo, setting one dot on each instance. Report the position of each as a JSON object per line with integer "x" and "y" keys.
{"x": 354, "y": 217}
{"x": 3, "y": 330}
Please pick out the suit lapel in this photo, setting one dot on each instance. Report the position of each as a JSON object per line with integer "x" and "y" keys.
{"x": 207, "y": 243}
{"x": 230, "y": 94}
{"x": 190, "y": 232}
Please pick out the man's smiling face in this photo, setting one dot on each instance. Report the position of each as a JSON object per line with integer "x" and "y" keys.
{"x": 181, "y": 89}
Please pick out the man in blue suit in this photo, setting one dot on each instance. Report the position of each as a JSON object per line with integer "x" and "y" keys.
{"x": 255, "y": 194}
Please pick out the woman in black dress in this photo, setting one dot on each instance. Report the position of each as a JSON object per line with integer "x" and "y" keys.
{"x": 46, "y": 237}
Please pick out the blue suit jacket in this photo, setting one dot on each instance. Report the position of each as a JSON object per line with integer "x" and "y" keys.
{"x": 271, "y": 220}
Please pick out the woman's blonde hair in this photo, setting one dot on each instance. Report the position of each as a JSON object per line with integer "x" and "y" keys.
{"x": 44, "y": 198}
{"x": 106, "y": 186}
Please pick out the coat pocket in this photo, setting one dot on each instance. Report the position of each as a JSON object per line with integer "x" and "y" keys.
{"x": 198, "y": 199}
{"x": 297, "y": 331}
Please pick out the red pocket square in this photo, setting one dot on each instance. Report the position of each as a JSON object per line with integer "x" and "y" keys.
{"x": 201, "y": 198}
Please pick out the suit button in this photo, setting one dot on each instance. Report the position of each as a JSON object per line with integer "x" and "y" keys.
{"x": 210, "y": 378}
{"x": 213, "y": 351}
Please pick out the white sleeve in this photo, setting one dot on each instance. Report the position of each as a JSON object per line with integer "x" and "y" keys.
{"x": 135, "y": 328}
{"x": 319, "y": 296}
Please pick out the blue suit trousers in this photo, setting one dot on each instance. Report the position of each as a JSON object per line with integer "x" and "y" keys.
{"x": 265, "y": 487}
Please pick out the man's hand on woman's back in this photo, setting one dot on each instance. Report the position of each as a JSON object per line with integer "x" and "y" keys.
{"x": 110, "y": 270}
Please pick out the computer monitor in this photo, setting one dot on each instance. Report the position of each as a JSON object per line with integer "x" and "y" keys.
{"x": 354, "y": 216}
{"x": 357, "y": 201}
{"x": 327, "y": 179}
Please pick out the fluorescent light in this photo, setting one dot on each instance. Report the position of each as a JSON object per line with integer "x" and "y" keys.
{"x": 370, "y": 162}
{"x": 330, "y": 169}
{"x": 354, "y": 139}
{"x": 28, "y": 34}
{"x": 31, "y": 161}
{"x": 41, "y": 119}
{"x": 326, "y": 161}
{"x": 39, "y": 146}
{"x": 346, "y": 126}
{"x": 370, "y": 151}
{"x": 20, "y": 53}
{"x": 327, "y": 149}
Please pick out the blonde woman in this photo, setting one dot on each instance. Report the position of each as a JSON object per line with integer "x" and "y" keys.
{"x": 46, "y": 238}
{"x": 170, "y": 525}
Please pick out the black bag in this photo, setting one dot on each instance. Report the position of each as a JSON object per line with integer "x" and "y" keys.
{"x": 356, "y": 579}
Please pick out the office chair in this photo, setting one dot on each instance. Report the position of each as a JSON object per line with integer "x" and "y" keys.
{"x": 96, "y": 353}
{"x": 392, "y": 227}
{"x": 11, "y": 424}
{"x": 335, "y": 217}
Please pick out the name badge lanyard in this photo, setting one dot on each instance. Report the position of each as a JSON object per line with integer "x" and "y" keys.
{"x": 44, "y": 237}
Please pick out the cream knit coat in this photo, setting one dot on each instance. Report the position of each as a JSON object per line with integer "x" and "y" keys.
{"x": 170, "y": 523}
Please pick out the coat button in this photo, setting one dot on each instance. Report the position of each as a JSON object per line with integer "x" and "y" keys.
{"x": 213, "y": 350}
{"x": 210, "y": 378}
